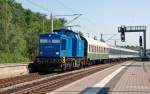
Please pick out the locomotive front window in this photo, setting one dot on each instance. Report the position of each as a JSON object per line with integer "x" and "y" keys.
{"x": 55, "y": 41}
{"x": 63, "y": 47}
{"x": 43, "y": 40}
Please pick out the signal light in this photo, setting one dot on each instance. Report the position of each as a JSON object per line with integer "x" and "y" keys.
{"x": 122, "y": 30}
{"x": 140, "y": 40}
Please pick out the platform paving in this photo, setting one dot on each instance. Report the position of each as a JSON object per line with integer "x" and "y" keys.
{"x": 131, "y": 77}
{"x": 136, "y": 80}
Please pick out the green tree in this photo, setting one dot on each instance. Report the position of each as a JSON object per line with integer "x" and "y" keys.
{"x": 19, "y": 30}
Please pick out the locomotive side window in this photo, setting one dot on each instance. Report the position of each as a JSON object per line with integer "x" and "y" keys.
{"x": 63, "y": 47}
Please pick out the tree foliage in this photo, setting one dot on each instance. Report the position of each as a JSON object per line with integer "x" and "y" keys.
{"x": 19, "y": 30}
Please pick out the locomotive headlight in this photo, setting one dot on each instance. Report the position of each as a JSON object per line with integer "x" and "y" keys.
{"x": 41, "y": 52}
{"x": 57, "y": 53}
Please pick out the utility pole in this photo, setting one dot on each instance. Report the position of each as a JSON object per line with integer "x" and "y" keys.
{"x": 6, "y": 25}
{"x": 43, "y": 24}
{"x": 87, "y": 35}
{"x": 115, "y": 42}
{"x": 52, "y": 25}
{"x": 101, "y": 37}
{"x": 144, "y": 35}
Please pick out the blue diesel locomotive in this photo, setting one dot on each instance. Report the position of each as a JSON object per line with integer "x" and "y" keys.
{"x": 65, "y": 49}
{"x": 62, "y": 49}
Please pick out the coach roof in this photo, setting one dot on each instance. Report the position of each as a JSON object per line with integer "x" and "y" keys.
{"x": 91, "y": 41}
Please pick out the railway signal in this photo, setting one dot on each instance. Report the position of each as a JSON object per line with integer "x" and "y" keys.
{"x": 140, "y": 40}
{"x": 122, "y": 30}
{"x": 125, "y": 29}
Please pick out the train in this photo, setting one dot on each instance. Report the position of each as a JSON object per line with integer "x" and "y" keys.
{"x": 65, "y": 49}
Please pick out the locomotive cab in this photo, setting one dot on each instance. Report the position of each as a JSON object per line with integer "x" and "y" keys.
{"x": 49, "y": 45}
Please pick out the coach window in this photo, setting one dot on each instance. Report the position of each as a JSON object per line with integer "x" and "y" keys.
{"x": 104, "y": 50}
{"x": 99, "y": 49}
{"x": 96, "y": 48}
{"x": 63, "y": 47}
{"x": 92, "y": 48}
{"x": 89, "y": 48}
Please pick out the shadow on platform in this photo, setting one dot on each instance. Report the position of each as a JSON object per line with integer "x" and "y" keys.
{"x": 95, "y": 90}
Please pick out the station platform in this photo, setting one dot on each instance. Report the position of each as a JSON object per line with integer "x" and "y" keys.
{"x": 126, "y": 78}
{"x": 4, "y": 65}
{"x": 13, "y": 69}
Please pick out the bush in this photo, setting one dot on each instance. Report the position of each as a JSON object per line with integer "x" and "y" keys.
{"x": 12, "y": 58}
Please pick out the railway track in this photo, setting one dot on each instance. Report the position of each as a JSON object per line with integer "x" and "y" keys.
{"x": 19, "y": 79}
{"x": 41, "y": 84}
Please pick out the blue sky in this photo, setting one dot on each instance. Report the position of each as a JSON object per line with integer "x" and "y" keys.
{"x": 99, "y": 16}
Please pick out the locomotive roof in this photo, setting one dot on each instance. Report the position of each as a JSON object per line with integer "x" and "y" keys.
{"x": 96, "y": 42}
{"x": 64, "y": 31}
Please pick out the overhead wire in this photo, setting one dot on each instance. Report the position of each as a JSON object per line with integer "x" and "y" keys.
{"x": 66, "y": 7}
{"x": 70, "y": 9}
{"x": 111, "y": 37}
{"x": 37, "y": 5}
{"x": 63, "y": 5}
